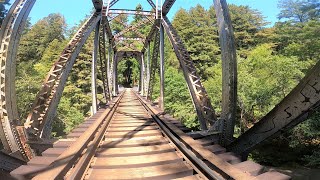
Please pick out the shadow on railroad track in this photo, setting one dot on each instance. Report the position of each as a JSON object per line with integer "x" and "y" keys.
{"x": 66, "y": 160}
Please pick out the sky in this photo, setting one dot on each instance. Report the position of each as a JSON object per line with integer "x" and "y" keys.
{"x": 75, "y": 10}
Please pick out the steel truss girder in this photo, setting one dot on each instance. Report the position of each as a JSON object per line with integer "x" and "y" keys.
{"x": 129, "y": 39}
{"x": 131, "y": 12}
{"x": 154, "y": 63}
{"x": 104, "y": 63}
{"x": 130, "y": 28}
{"x": 133, "y": 30}
{"x": 201, "y": 101}
{"x": 292, "y": 110}
{"x": 38, "y": 124}
{"x": 167, "y": 5}
{"x": 12, "y": 136}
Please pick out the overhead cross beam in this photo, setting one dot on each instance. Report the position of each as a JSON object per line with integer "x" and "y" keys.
{"x": 129, "y": 39}
{"x": 131, "y": 12}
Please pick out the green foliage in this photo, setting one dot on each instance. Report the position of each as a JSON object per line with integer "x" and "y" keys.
{"x": 300, "y": 39}
{"x": 3, "y": 10}
{"x": 299, "y": 10}
{"x": 178, "y": 102}
{"x": 247, "y": 25}
{"x": 264, "y": 80}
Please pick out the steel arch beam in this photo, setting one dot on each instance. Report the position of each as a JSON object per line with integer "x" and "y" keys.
{"x": 13, "y": 139}
{"x": 38, "y": 124}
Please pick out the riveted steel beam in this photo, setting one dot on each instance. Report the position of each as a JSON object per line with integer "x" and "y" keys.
{"x": 43, "y": 111}
{"x": 229, "y": 71}
{"x": 94, "y": 69}
{"x": 104, "y": 63}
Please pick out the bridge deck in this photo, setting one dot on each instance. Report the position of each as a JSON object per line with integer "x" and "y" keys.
{"x": 135, "y": 145}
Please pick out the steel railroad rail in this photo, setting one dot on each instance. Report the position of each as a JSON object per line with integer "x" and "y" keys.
{"x": 132, "y": 140}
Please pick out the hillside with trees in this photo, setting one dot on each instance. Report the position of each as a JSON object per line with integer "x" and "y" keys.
{"x": 271, "y": 62}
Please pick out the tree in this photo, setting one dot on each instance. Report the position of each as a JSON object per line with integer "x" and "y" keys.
{"x": 3, "y": 10}
{"x": 247, "y": 24}
{"x": 34, "y": 43}
{"x": 200, "y": 36}
{"x": 299, "y": 10}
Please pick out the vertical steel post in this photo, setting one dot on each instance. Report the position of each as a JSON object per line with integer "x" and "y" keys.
{"x": 148, "y": 70}
{"x": 94, "y": 69}
{"x": 115, "y": 84}
{"x": 142, "y": 77}
{"x": 229, "y": 71}
{"x": 161, "y": 98}
{"x": 109, "y": 75}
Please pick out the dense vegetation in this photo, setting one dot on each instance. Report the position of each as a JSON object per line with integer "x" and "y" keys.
{"x": 271, "y": 61}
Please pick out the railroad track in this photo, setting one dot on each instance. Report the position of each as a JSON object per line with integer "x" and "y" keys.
{"x": 129, "y": 140}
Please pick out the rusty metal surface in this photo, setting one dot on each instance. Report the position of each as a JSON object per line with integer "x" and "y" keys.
{"x": 10, "y": 35}
{"x": 229, "y": 71}
{"x": 39, "y": 121}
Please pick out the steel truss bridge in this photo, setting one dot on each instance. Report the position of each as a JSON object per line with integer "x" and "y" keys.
{"x": 131, "y": 137}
